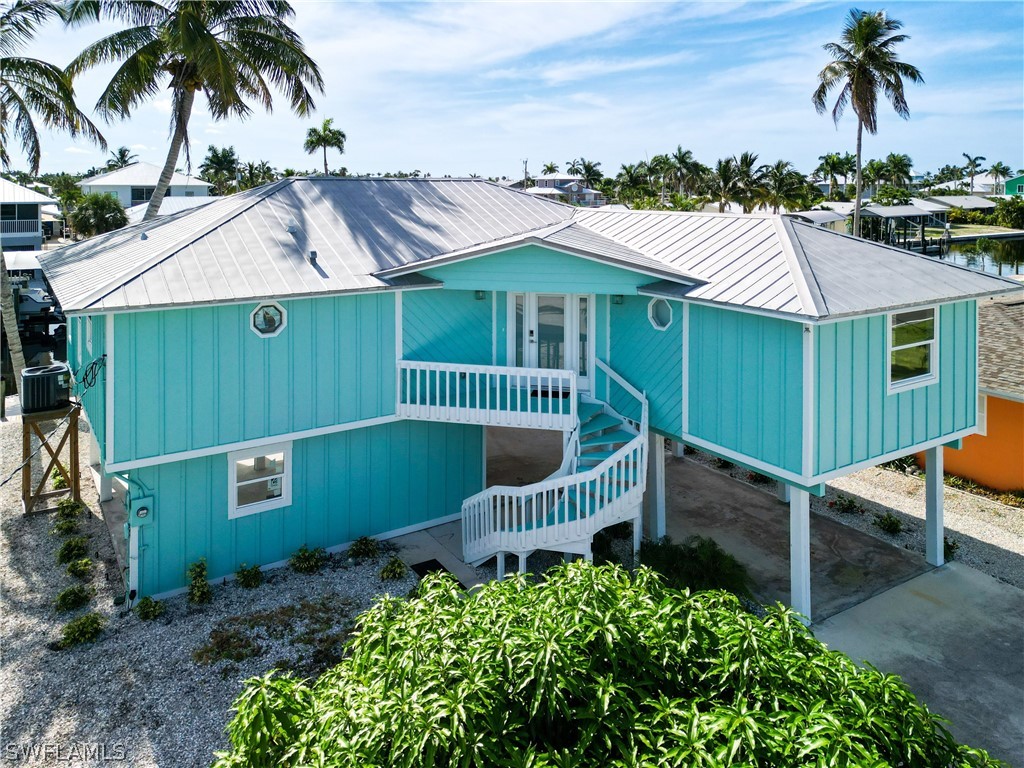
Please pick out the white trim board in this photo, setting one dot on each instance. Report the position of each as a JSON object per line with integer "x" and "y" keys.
{"x": 809, "y": 399}
{"x": 108, "y": 378}
{"x": 213, "y": 450}
{"x": 216, "y": 580}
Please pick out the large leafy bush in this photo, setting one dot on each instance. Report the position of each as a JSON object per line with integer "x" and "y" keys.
{"x": 593, "y": 667}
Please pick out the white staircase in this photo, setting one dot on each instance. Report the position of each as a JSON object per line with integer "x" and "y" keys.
{"x": 601, "y": 482}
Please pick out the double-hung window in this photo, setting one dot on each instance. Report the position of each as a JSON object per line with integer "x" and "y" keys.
{"x": 259, "y": 479}
{"x": 913, "y": 349}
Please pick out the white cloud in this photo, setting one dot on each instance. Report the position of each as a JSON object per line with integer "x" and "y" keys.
{"x": 78, "y": 151}
{"x": 560, "y": 73}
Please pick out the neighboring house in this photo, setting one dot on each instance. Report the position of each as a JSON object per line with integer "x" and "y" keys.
{"x": 1015, "y": 186}
{"x": 134, "y": 184}
{"x": 984, "y": 184}
{"x": 966, "y": 202}
{"x": 21, "y": 220}
{"x": 567, "y": 188}
{"x": 827, "y": 219}
{"x": 319, "y": 359}
{"x": 995, "y": 456}
{"x": 168, "y": 206}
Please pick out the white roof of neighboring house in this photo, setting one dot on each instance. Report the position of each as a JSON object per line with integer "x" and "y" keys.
{"x": 983, "y": 182}
{"x": 928, "y": 205}
{"x": 839, "y": 206}
{"x": 167, "y": 206}
{"x": 140, "y": 175}
{"x": 380, "y": 234}
{"x": 566, "y": 177}
{"x": 967, "y": 202}
{"x": 18, "y": 260}
{"x": 15, "y": 193}
{"x": 818, "y": 217}
{"x": 894, "y": 211}
{"x": 544, "y": 191}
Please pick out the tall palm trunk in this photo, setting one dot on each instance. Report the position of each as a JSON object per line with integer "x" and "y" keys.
{"x": 10, "y": 322}
{"x": 325, "y": 160}
{"x": 180, "y": 130}
{"x": 859, "y": 182}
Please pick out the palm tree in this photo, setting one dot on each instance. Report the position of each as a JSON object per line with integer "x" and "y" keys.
{"x": 750, "y": 177}
{"x": 98, "y": 213}
{"x": 629, "y": 182}
{"x": 574, "y": 167}
{"x": 831, "y": 165}
{"x": 121, "y": 158}
{"x": 864, "y": 65}
{"x": 550, "y": 168}
{"x": 899, "y": 169}
{"x": 220, "y": 167}
{"x": 683, "y": 166}
{"x": 325, "y": 137}
{"x": 782, "y": 186}
{"x": 229, "y": 52}
{"x": 973, "y": 167}
{"x": 32, "y": 90}
{"x": 591, "y": 175}
{"x": 999, "y": 172}
{"x": 659, "y": 170}
{"x": 725, "y": 183}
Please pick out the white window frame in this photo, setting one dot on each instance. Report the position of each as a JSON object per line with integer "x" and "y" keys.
{"x": 281, "y": 327}
{"x": 88, "y": 334}
{"x": 924, "y": 380}
{"x": 650, "y": 314}
{"x": 981, "y": 415}
{"x": 284, "y": 500}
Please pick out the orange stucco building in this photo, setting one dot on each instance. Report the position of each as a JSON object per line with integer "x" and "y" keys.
{"x": 995, "y": 456}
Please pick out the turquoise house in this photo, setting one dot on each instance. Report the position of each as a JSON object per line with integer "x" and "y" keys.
{"x": 320, "y": 359}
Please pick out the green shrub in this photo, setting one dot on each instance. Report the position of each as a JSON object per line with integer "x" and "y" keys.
{"x": 84, "y": 629}
{"x": 148, "y": 609}
{"x": 71, "y": 598}
{"x": 720, "y": 463}
{"x": 80, "y": 568}
{"x": 889, "y": 523}
{"x": 1010, "y": 212}
{"x": 73, "y": 549}
{"x": 199, "y": 589}
{"x": 696, "y": 564}
{"x": 647, "y": 676}
{"x": 394, "y": 569}
{"x": 846, "y": 505}
{"x": 59, "y": 483}
{"x": 363, "y": 548}
{"x": 65, "y": 528}
{"x": 756, "y": 478}
{"x": 248, "y": 577}
{"x": 306, "y": 560}
{"x": 226, "y": 644}
{"x": 69, "y": 509}
{"x": 949, "y": 548}
{"x": 902, "y": 464}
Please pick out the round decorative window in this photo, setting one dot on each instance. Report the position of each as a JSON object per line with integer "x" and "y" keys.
{"x": 268, "y": 319}
{"x": 659, "y": 312}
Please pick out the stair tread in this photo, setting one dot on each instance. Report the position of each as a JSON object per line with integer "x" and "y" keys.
{"x": 587, "y": 411}
{"x": 598, "y": 423}
{"x": 618, "y": 436}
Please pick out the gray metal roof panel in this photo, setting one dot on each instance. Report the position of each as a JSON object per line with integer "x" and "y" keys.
{"x": 894, "y": 211}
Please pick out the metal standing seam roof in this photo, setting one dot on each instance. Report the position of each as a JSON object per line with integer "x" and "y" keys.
{"x": 15, "y": 193}
{"x": 818, "y": 217}
{"x": 1000, "y": 345}
{"x": 140, "y": 175}
{"x": 967, "y": 202}
{"x": 170, "y": 204}
{"x": 894, "y": 211}
{"x": 376, "y": 234}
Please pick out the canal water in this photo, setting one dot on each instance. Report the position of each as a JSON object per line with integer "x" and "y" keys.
{"x": 997, "y": 257}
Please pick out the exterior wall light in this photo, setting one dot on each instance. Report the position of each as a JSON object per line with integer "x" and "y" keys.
{"x": 480, "y": 295}
{"x": 617, "y": 298}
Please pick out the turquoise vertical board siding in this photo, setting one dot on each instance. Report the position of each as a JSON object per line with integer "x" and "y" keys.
{"x": 501, "y": 328}
{"x": 857, "y": 419}
{"x": 746, "y": 384}
{"x": 535, "y": 268}
{"x": 195, "y": 378}
{"x": 345, "y": 485}
{"x": 446, "y": 327}
{"x": 650, "y": 360}
{"x": 79, "y": 354}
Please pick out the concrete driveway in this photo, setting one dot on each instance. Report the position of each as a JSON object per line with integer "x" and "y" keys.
{"x": 956, "y": 636}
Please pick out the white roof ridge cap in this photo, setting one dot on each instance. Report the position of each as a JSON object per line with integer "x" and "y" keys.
{"x": 154, "y": 261}
{"x": 804, "y": 280}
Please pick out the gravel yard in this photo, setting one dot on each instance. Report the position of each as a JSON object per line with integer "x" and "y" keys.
{"x": 989, "y": 536}
{"x": 137, "y": 697}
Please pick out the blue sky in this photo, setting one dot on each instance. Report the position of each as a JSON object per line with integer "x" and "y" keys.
{"x": 463, "y": 88}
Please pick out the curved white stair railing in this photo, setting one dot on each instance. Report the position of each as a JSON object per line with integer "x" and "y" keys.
{"x": 564, "y": 511}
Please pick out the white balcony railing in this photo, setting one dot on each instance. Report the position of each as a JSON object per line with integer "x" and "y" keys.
{"x": 23, "y": 227}
{"x": 489, "y": 395}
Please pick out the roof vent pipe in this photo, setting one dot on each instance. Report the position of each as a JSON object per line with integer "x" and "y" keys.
{"x": 311, "y": 258}
{"x": 293, "y": 227}
{"x": 143, "y": 236}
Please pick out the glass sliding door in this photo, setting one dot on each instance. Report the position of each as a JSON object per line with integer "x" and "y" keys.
{"x": 551, "y": 329}
{"x": 548, "y": 330}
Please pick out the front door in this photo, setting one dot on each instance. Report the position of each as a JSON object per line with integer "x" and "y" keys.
{"x": 552, "y": 330}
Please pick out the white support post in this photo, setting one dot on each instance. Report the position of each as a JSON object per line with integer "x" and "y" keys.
{"x": 522, "y": 562}
{"x": 106, "y": 487}
{"x": 637, "y": 535}
{"x": 800, "y": 552}
{"x": 677, "y": 449}
{"x": 934, "y": 526}
{"x": 655, "y": 497}
{"x": 501, "y": 566}
{"x": 782, "y": 491}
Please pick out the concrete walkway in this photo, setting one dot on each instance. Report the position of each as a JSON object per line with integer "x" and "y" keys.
{"x": 956, "y": 636}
